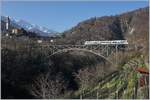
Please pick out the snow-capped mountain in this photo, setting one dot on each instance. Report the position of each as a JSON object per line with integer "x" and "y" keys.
{"x": 41, "y": 31}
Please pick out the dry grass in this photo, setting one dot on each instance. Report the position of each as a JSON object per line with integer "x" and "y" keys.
{"x": 122, "y": 58}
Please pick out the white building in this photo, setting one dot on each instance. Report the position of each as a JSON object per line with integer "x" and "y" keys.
{"x": 51, "y": 41}
{"x": 7, "y": 34}
{"x": 39, "y": 41}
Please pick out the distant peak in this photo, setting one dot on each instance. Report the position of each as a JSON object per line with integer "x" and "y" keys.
{"x": 42, "y": 31}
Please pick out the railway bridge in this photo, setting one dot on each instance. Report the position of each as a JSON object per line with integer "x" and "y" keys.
{"x": 103, "y": 50}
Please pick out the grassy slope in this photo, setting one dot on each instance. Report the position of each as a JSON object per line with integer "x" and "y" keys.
{"x": 123, "y": 84}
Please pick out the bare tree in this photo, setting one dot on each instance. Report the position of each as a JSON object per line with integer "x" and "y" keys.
{"x": 90, "y": 75}
{"x": 46, "y": 88}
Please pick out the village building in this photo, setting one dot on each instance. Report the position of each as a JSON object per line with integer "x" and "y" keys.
{"x": 39, "y": 41}
{"x": 11, "y": 30}
{"x": 16, "y": 31}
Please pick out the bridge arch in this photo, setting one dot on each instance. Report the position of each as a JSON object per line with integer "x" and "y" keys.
{"x": 79, "y": 49}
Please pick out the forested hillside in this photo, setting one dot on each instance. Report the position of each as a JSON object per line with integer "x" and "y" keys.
{"x": 132, "y": 26}
{"x": 29, "y": 70}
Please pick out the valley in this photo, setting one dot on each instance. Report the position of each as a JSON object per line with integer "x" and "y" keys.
{"x": 36, "y": 65}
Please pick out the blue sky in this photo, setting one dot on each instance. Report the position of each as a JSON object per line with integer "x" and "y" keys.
{"x": 61, "y": 16}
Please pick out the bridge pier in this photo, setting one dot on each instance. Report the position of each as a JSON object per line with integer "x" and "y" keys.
{"x": 116, "y": 48}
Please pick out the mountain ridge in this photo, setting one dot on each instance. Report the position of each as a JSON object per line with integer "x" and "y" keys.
{"x": 40, "y": 31}
{"x": 132, "y": 26}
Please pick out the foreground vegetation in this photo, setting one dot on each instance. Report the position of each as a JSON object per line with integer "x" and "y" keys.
{"x": 124, "y": 84}
{"x": 31, "y": 73}
{"x": 28, "y": 71}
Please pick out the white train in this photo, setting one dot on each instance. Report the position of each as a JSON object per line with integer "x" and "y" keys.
{"x": 106, "y": 42}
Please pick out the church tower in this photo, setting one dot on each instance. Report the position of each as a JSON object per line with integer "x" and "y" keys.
{"x": 7, "y": 23}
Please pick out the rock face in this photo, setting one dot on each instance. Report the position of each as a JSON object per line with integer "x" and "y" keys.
{"x": 132, "y": 26}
